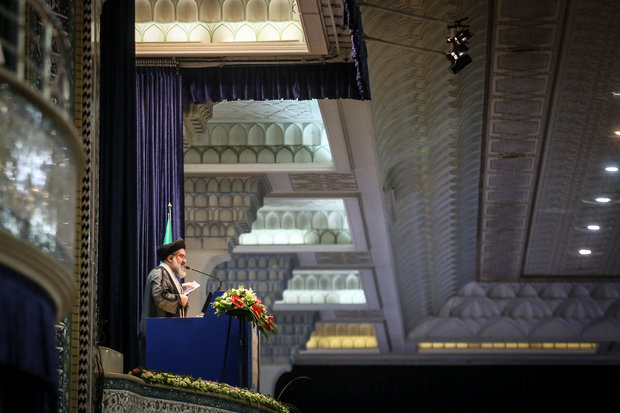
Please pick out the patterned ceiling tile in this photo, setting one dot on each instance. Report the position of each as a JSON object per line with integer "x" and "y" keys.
{"x": 323, "y": 182}
{"x": 344, "y": 258}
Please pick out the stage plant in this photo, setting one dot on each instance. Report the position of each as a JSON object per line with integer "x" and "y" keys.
{"x": 221, "y": 389}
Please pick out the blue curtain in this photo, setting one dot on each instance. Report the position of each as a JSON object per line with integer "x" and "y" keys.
{"x": 118, "y": 289}
{"x": 347, "y": 80}
{"x": 300, "y": 82}
{"x": 160, "y": 161}
{"x": 28, "y": 355}
{"x": 353, "y": 19}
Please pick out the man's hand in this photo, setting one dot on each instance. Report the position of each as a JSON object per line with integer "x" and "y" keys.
{"x": 184, "y": 300}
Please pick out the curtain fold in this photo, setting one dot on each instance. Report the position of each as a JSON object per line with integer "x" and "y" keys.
{"x": 117, "y": 279}
{"x": 160, "y": 161}
{"x": 353, "y": 19}
{"x": 272, "y": 82}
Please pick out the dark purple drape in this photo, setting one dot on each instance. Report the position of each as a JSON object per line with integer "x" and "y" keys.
{"x": 300, "y": 82}
{"x": 28, "y": 355}
{"x": 117, "y": 289}
{"x": 160, "y": 161}
{"x": 353, "y": 19}
{"x": 347, "y": 80}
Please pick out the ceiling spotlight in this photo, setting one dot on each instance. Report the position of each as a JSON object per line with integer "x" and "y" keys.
{"x": 585, "y": 251}
{"x": 453, "y": 57}
{"x": 460, "y": 63}
{"x": 463, "y": 35}
{"x": 611, "y": 168}
{"x": 594, "y": 227}
{"x": 457, "y": 57}
{"x": 602, "y": 199}
{"x": 617, "y": 132}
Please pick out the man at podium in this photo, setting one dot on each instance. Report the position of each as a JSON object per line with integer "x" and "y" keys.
{"x": 163, "y": 291}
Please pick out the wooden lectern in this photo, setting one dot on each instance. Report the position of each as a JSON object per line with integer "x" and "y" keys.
{"x": 222, "y": 349}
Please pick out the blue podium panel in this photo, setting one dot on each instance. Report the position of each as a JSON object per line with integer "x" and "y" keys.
{"x": 212, "y": 348}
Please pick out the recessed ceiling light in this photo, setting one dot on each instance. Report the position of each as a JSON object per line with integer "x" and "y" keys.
{"x": 594, "y": 227}
{"x": 611, "y": 168}
{"x": 602, "y": 199}
{"x": 585, "y": 251}
{"x": 617, "y": 132}
{"x": 615, "y": 93}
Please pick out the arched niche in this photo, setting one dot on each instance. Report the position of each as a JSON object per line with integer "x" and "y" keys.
{"x": 288, "y": 221}
{"x": 200, "y": 33}
{"x": 279, "y": 10}
{"x": 256, "y": 10}
{"x": 274, "y": 135}
{"x": 334, "y": 220}
{"x": 246, "y": 33}
{"x": 256, "y": 135}
{"x": 284, "y": 155}
{"x": 233, "y": 10}
{"x": 304, "y": 220}
{"x": 344, "y": 238}
{"x": 229, "y": 156}
{"x": 291, "y": 32}
{"x": 187, "y": 11}
{"x": 339, "y": 282}
{"x": 223, "y": 34}
{"x": 237, "y": 136}
{"x": 280, "y": 239}
{"x": 303, "y": 155}
{"x": 164, "y": 11}
{"x": 143, "y": 11}
{"x": 210, "y": 157}
{"x": 266, "y": 156}
{"x": 311, "y": 283}
{"x": 293, "y": 135}
{"x": 311, "y": 135}
{"x": 176, "y": 33}
{"x": 311, "y": 238}
{"x": 325, "y": 283}
{"x": 268, "y": 33}
{"x": 192, "y": 156}
{"x": 322, "y": 155}
{"x": 219, "y": 136}
{"x": 352, "y": 282}
{"x": 247, "y": 156}
{"x": 272, "y": 221}
{"x": 319, "y": 221}
{"x": 210, "y": 11}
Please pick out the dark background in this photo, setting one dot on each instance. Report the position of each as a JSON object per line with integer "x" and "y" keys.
{"x": 451, "y": 389}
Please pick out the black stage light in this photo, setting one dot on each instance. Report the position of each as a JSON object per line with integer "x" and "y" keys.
{"x": 463, "y": 35}
{"x": 462, "y": 61}
{"x": 457, "y": 57}
{"x": 453, "y": 57}
{"x": 457, "y": 45}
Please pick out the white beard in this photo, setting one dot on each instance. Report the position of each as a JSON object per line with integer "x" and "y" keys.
{"x": 178, "y": 268}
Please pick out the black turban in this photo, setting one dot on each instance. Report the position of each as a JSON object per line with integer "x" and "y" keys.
{"x": 164, "y": 250}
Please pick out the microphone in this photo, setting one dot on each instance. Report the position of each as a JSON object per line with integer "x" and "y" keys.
{"x": 219, "y": 287}
{"x": 210, "y": 295}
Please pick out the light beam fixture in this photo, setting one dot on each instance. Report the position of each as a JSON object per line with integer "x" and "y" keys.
{"x": 458, "y": 57}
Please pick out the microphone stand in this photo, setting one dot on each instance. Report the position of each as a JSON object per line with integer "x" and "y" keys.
{"x": 219, "y": 287}
{"x": 210, "y": 295}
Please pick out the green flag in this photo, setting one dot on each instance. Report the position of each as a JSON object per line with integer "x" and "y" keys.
{"x": 168, "y": 235}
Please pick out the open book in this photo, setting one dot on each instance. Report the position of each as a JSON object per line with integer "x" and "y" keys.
{"x": 189, "y": 287}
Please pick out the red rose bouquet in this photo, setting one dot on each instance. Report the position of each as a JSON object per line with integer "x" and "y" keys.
{"x": 244, "y": 304}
